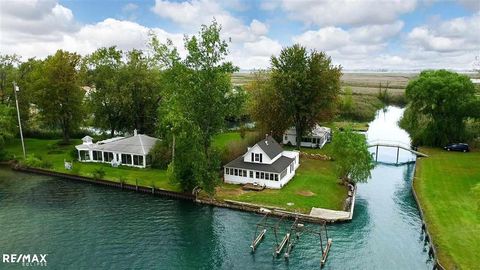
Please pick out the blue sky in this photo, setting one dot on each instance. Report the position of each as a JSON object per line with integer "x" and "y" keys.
{"x": 362, "y": 34}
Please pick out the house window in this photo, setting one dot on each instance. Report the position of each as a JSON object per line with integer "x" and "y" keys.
{"x": 286, "y": 137}
{"x": 126, "y": 159}
{"x": 138, "y": 160}
{"x": 262, "y": 175}
{"x": 257, "y": 175}
{"x": 227, "y": 171}
{"x": 276, "y": 177}
{"x": 231, "y": 171}
{"x": 251, "y": 174}
{"x": 107, "y": 156}
{"x": 257, "y": 157}
{"x": 236, "y": 172}
{"x": 271, "y": 176}
{"x": 244, "y": 173}
{"x": 97, "y": 155}
{"x": 282, "y": 175}
{"x": 84, "y": 155}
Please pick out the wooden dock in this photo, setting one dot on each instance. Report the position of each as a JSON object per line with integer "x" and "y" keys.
{"x": 258, "y": 240}
{"x": 325, "y": 252}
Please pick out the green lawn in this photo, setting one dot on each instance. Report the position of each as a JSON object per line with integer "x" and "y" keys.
{"x": 314, "y": 185}
{"x": 444, "y": 184}
{"x": 52, "y": 151}
{"x": 220, "y": 141}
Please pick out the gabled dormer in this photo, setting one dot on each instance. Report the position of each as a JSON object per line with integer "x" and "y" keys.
{"x": 265, "y": 151}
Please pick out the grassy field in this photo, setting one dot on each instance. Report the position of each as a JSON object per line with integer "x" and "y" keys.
{"x": 445, "y": 184}
{"x": 314, "y": 185}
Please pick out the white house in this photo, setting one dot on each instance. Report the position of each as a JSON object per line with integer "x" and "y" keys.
{"x": 266, "y": 163}
{"x": 129, "y": 151}
{"x": 314, "y": 139}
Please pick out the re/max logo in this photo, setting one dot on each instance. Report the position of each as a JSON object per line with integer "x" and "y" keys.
{"x": 26, "y": 259}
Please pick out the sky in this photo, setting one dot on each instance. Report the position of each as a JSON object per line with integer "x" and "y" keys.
{"x": 358, "y": 35}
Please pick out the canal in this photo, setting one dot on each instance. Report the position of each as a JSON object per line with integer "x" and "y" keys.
{"x": 82, "y": 226}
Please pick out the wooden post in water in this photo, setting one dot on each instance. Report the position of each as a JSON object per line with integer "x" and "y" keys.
{"x": 376, "y": 154}
{"x": 398, "y": 150}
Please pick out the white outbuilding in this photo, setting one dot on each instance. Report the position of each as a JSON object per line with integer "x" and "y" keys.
{"x": 265, "y": 164}
{"x": 316, "y": 138}
{"x": 129, "y": 151}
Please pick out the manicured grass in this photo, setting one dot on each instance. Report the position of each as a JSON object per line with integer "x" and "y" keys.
{"x": 444, "y": 184}
{"x": 55, "y": 153}
{"x": 221, "y": 141}
{"x": 314, "y": 185}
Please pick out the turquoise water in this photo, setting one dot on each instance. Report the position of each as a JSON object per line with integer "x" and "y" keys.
{"x": 82, "y": 226}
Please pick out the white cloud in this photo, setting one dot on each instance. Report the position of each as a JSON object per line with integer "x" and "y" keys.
{"x": 338, "y": 12}
{"x": 470, "y": 4}
{"x": 125, "y": 35}
{"x": 263, "y": 47}
{"x": 354, "y": 41}
{"x": 29, "y": 21}
{"x": 193, "y": 13}
{"x": 459, "y": 34}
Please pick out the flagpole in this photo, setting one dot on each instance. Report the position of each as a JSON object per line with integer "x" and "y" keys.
{"x": 15, "y": 90}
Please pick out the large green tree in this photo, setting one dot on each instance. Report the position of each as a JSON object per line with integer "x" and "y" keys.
{"x": 58, "y": 93}
{"x": 107, "y": 101}
{"x": 141, "y": 83}
{"x": 439, "y": 102}
{"x": 352, "y": 158}
{"x": 196, "y": 103}
{"x": 7, "y": 126}
{"x": 265, "y": 105}
{"x": 8, "y": 73}
{"x": 126, "y": 90}
{"x": 308, "y": 85}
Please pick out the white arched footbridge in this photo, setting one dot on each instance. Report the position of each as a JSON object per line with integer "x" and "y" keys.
{"x": 394, "y": 144}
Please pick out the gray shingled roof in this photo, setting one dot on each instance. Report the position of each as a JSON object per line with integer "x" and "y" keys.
{"x": 270, "y": 147}
{"x": 276, "y": 167}
{"x": 138, "y": 145}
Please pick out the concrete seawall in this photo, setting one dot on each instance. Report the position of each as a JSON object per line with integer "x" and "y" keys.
{"x": 438, "y": 265}
{"x": 241, "y": 206}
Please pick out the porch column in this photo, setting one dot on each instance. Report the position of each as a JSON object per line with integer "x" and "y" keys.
{"x": 103, "y": 160}
{"x": 79, "y": 156}
{"x": 131, "y": 162}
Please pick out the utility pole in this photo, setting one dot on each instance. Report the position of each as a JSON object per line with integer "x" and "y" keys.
{"x": 15, "y": 90}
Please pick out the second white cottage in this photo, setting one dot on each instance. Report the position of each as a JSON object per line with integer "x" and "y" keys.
{"x": 265, "y": 163}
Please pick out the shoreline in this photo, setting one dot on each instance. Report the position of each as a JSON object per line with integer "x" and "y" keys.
{"x": 229, "y": 204}
{"x": 428, "y": 237}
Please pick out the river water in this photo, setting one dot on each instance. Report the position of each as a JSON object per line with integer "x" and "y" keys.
{"x": 82, "y": 226}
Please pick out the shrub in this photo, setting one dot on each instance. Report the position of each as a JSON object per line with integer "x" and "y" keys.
{"x": 242, "y": 131}
{"x": 161, "y": 155}
{"x": 98, "y": 173}
{"x": 31, "y": 161}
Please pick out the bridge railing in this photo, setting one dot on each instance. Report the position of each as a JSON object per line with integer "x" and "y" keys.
{"x": 390, "y": 143}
